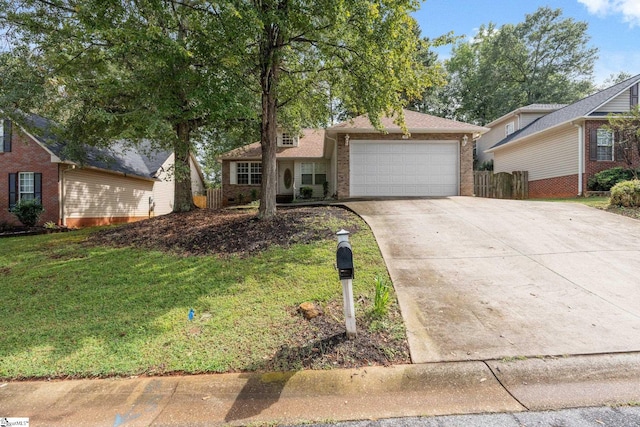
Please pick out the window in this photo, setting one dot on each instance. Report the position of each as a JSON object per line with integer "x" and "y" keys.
{"x": 314, "y": 173}
{"x": 24, "y": 186}
{"x": 249, "y": 173}
{"x": 5, "y": 125}
{"x": 288, "y": 140}
{"x": 605, "y": 145}
{"x": 509, "y": 128}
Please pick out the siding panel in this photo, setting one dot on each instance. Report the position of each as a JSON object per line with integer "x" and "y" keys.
{"x": 618, "y": 104}
{"x": 548, "y": 156}
{"x": 94, "y": 194}
{"x": 164, "y": 189}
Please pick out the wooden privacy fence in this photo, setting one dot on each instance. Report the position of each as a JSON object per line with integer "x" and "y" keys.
{"x": 213, "y": 199}
{"x": 502, "y": 185}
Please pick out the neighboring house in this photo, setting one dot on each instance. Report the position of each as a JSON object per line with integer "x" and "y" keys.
{"x": 112, "y": 186}
{"x": 563, "y": 149}
{"x": 508, "y": 124}
{"x": 435, "y": 159}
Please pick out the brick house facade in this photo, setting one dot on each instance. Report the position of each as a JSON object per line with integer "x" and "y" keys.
{"x": 27, "y": 156}
{"x": 334, "y": 149}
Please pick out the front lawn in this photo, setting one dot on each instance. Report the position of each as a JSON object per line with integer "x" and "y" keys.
{"x": 83, "y": 304}
{"x": 599, "y": 203}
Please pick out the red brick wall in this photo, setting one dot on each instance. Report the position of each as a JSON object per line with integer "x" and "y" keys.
{"x": 28, "y": 156}
{"x": 231, "y": 193}
{"x": 562, "y": 186}
{"x": 593, "y": 166}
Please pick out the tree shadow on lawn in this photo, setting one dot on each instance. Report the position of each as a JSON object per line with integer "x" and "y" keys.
{"x": 84, "y": 324}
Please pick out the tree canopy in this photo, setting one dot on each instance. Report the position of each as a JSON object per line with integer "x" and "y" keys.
{"x": 545, "y": 59}
{"x": 177, "y": 70}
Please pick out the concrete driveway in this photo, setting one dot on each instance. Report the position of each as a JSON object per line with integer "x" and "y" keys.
{"x": 481, "y": 279}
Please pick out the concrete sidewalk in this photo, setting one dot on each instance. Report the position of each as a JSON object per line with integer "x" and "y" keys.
{"x": 321, "y": 396}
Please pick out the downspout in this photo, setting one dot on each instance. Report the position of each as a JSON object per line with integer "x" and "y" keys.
{"x": 580, "y": 157}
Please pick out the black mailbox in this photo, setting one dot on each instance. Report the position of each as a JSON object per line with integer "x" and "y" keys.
{"x": 344, "y": 261}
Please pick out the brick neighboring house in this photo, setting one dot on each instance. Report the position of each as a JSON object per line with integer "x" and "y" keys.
{"x": 116, "y": 185}
{"x": 434, "y": 159}
{"x": 563, "y": 149}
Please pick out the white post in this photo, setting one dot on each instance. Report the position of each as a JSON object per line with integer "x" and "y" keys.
{"x": 347, "y": 295}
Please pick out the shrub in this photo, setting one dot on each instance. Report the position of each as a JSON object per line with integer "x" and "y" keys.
{"x": 604, "y": 180}
{"x": 254, "y": 194}
{"x": 306, "y": 192}
{"x": 28, "y": 211}
{"x": 486, "y": 166}
{"x": 325, "y": 189}
{"x": 381, "y": 298}
{"x": 626, "y": 194}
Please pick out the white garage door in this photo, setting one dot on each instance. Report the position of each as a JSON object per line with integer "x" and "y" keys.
{"x": 404, "y": 168}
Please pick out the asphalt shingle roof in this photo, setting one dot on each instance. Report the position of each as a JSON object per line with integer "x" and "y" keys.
{"x": 581, "y": 108}
{"x": 414, "y": 121}
{"x": 142, "y": 161}
{"x": 310, "y": 145}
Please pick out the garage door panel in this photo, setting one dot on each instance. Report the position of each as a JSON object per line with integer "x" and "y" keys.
{"x": 404, "y": 168}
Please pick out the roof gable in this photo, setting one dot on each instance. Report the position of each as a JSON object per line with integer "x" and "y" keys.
{"x": 310, "y": 145}
{"x": 579, "y": 109}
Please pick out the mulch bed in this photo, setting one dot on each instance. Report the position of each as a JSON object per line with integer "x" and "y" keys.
{"x": 224, "y": 232}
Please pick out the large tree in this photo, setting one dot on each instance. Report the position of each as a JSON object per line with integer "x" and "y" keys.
{"x": 301, "y": 55}
{"x": 545, "y": 59}
{"x": 107, "y": 70}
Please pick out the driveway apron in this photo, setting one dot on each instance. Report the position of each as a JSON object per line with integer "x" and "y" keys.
{"x": 480, "y": 279}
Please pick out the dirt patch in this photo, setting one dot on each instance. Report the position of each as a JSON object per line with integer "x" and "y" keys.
{"x": 227, "y": 232}
{"x": 630, "y": 212}
{"x": 323, "y": 343}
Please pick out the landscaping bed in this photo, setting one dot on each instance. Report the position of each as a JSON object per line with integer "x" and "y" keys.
{"x": 115, "y": 302}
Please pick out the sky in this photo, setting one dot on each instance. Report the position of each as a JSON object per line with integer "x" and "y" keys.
{"x": 614, "y": 25}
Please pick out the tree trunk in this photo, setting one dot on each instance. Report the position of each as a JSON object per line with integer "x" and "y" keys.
{"x": 183, "y": 198}
{"x": 270, "y": 64}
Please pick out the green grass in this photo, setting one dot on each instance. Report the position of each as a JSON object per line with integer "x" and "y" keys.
{"x": 72, "y": 309}
{"x": 595, "y": 202}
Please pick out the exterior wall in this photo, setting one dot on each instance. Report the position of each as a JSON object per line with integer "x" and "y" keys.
{"x": 96, "y": 198}
{"x": 552, "y": 155}
{"x": 618, "y": 104}
{"x": 164, "y": 189}
{"x": 594, "y": 166}
{"x": 562, "y": 186}
{"x": 318, "y": 190}
{"x": 343, "y": 158}
{"x": 527, "y": 118}
{"x": 487, "y": 141}
{"x": 197, "y": 184}
{"x": 27, "y": 155}
{"x": 231, "y": 193}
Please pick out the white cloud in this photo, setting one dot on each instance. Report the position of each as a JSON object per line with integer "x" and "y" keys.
{"x": 629, "y": 9}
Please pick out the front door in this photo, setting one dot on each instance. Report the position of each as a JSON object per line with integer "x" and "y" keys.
{"x": 285, "y": 178}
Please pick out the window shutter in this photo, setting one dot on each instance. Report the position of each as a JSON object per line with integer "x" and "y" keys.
{"x": 13, "y": 189}
{"x": 37, "y": 186}
{"x": 233, "y": 173}
{"x": 6, "y": 135}
{"x": 593, "y": 144}
{"x": 634, "y": 95}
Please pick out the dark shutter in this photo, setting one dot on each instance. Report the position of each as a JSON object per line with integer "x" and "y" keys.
{"x": 593, "y": 144}
{"x": 634, "y": 95}
{"x": 619, "y": 150}
{"x": 6, "y": 133}
{"x": 13, "y": 189}
{"x": 37, "y": 186}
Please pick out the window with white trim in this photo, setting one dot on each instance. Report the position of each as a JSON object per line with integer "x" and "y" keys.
{"x": 288, "y": 140}
{"x": 605, "y": 145}
{"x": 313, "y": 173}
{"x": 26, "y": 186}
{"x": 509, "y": 128}
{"x": 249, "y": 173}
